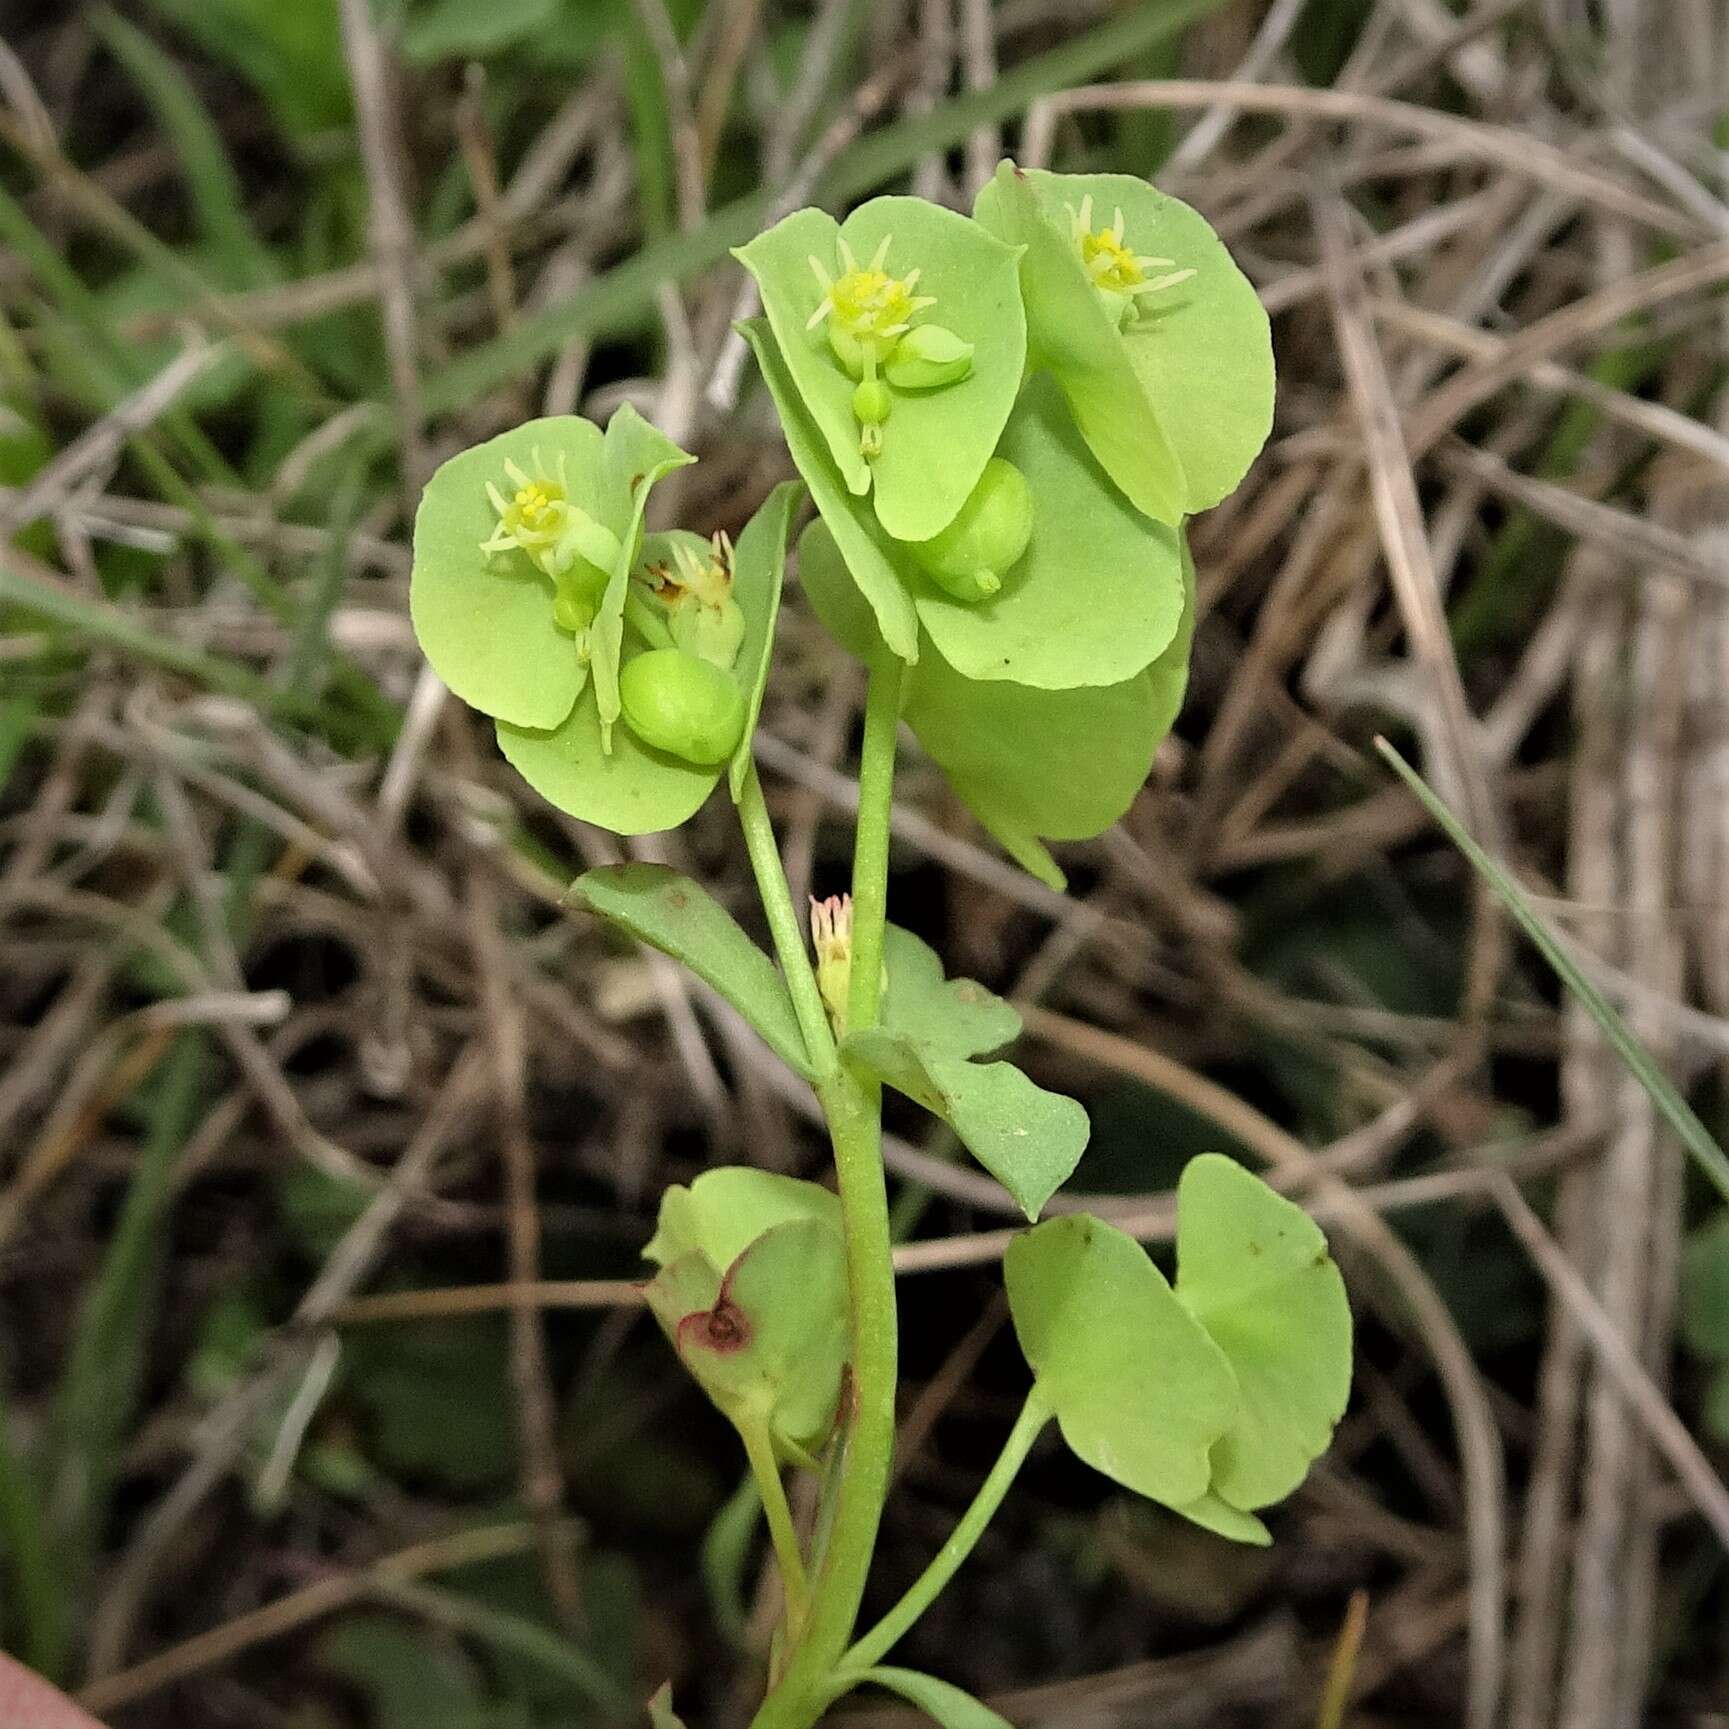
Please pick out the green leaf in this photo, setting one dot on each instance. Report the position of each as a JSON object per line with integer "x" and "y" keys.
{"x": 1063, "y": 765}
{"x": 726, "y": 1209}
{"x": 1253, "y": 1270}
{"x": 881, "y": 576}
{"x": 1030, "y": 1140}
{"x": 939, "y": 1700}
{"x": 1098, "y": 594}
{"x": 770, "y": 1345}
{"x": 957, "y": 1017}
{"x": 752, "y": 1293}
{"x": 436, "y": 1400}
{"x": 408, "y": 1676}
{"x": 1203, "y": 352}
{"x": 291, "y": 54}
{"x": 636, "y": 455}
{"x": 1050, "y": 765}
{"x": 1705, "y": 1289}
{"x": 935, "y": 442}
{"x": 210, "y": 175}
{"x": 1138, "y": 1388}
{"x": 726, "y": 1558}
{"x": 837, "y": 599}
{"x": 660, "y": 1712}
{"x": 1070, "y": 333}
{"x": 632, "y": 790}
{"x": 669, "y": 912}
{"x": 452, "y": 29}
{"x": 484, "y": 622}
{"x": 759, "y": 567}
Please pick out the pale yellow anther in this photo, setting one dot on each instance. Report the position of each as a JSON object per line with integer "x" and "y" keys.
{"x": 539, "y": 520}
{"x": 866, "y": 307}
{"x": 1120, "y": 276}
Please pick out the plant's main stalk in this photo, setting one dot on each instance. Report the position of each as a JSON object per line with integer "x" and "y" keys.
{"x": 853, "y": 1108}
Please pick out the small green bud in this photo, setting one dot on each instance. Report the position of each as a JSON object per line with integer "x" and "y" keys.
{"x": 714, "y": 633}
{"x": 871, "y": 402}
{"x": 989, "y": 533}
{"x": 831, "y": 937}
{"x": 927, "y": 357}
{"x": 682, "y": 705}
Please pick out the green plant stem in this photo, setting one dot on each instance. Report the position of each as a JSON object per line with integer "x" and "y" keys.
{"x": 870, "y": 871}
{"x": 876, "y": 1644}
{"x": 853, "y": 1109}
{"x": 765, "y": 1468}
{"x": 652, "y": 624}
{"x": 784, "y": 924}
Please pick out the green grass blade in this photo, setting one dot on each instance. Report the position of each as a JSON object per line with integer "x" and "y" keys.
{"x": 1675, "y": 1110}
{"x": 38, "y": 1611}
{"x": 210, "y": 176}
{"x": 508, "y": 1632}
{"x": 98, "y": 1391}
{"x": 108, "y": 624}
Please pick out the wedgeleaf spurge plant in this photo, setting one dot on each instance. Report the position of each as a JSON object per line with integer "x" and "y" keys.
{"x": 1003, "y": 422}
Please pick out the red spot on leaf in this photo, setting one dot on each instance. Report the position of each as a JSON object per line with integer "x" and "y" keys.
{"x": 725, "y": 1329}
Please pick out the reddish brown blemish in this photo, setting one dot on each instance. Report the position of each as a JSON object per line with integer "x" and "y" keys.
{"x": 635, "y": 482}
{"x": 725, "y": 1329}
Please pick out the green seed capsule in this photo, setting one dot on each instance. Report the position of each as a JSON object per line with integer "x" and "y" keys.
{"x": 682, "y": 705}
{"x": 990, "y": 532}
{"x": 927, "y": 357}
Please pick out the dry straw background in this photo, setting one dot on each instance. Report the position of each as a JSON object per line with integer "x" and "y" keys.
{"x": 304, "y": 1066}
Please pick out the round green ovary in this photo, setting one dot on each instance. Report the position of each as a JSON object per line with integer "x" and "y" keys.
{"x": 871, "y": 402}
{"x": 989, "y": 533}
{"x": 684, "y": 706}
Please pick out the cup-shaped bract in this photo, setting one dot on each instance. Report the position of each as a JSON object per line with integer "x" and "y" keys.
{"x": 635, "y": 788}
{"x": 498, "y": 535}
{"x": 1157, "y": 338}
{"x": 1253, "y": 1269}
{"x": 1215, "y": 1397}
{"x": 751, "y": 1292}
{"x": 1097, "y": 593}
{"x": 895, "y": 266}
{"x": 1095, "y": 597}
{"x": 1138, "y": 1389}
{"x": 1033, "y": 765}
